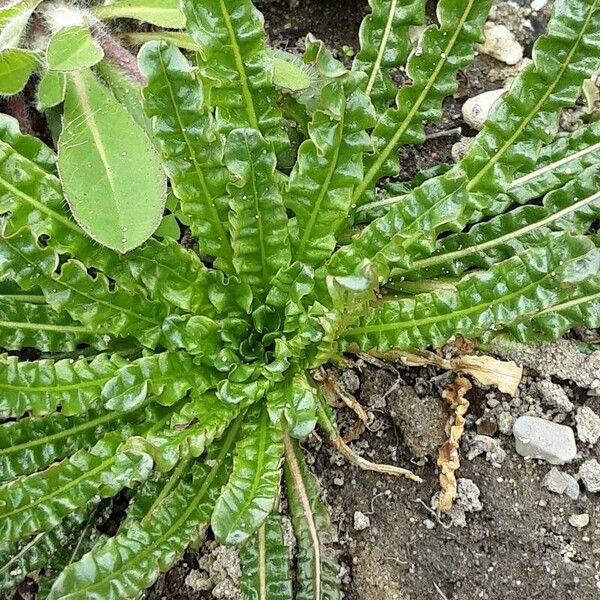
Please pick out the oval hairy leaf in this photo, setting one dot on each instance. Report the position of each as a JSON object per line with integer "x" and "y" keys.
{"x": 73, "y": 48}
{"x": 16, "y": 67}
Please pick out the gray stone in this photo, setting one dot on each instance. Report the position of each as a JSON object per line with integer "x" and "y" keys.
{"x": 553, "y": 395}
{"x": 480, "y": 444}
{"x": 505, "y": 422}
{"x": 589, "y": 473}
{"x": 579, "y": 521}
{"x": 539, "y": 438}
{"x": 361, "y": 521}
{"x": 501, "y": 43}
{"x": 475, "y": 110}
{"x": 468, "y": 495}
{"x": 560, "y": 482}
{"x": 588, "y": 425}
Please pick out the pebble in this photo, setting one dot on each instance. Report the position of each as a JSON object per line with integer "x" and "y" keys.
{"x": 492, "y": 448}
{"x": 579, "y": 521}
{"x": 560, "y": 482}
{"x": 429, "y": 524}
{"x": 537, "y": 5}
{"x": 461, "y": 148}
{"x": 539, "y": 438}
{"x": 505, "y": 422}
{"x": 500, "y": 43}
{"x": 487, "y": 426}
{"x": 588, "y": 425}
{"x": 361, "y": 521}
{"x": 468, "y": 495}
{"x": 553, "y": 395}
{"x": 475, "y": 110}
{"x": 350, "y": 381}
{"x": 589, "y": 473}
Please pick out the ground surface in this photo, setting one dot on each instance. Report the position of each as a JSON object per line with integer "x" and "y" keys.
{"x": 514, "y": 540}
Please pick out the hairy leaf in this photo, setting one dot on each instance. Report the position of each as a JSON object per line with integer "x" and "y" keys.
{"x": 164, "y": 13}
{"x": 73, "y": 48}
{"x": 16, "y": 67}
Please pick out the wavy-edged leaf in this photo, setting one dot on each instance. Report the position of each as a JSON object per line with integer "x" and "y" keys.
{"x": 258, "y": 218}
{"x": 133, "y": 559}
{"x": 18, "y": 560}
{"x": 253, "y": 488}
{"x": 233, "y": 57}
{"x": 385, "y": 44}
{"x": 69, "y": 288}
{"x": 28, "y": 146}
{"x": 33, "y": 443}
{"x": 38, "y": 502}
{"x": 28, "y": 325}
{"x": 266, "y": 564}
{"x": 522, "y": 286}
{"x": 115, "y": 185}
{"x": 533, "y": 104}
{"x": 166, "y": 376}
{"x": 329, "y": 164}
{"x": 433, "y": 67}
{"x": 163, "y": 13}
{"x": 318, "y": 571}
{"x": 41, "y": 387}
{"x": 190, "y": 151}
{"x": 572, "y": 208}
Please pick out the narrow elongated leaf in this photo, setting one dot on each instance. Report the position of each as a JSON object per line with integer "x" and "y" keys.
{"x": 318, "y": 571}
{"x": 120, "y": 200}
{"x": 433, "y": 66}
{"x": 73, "y": 48}
{"x": 253, "y": 488}
{"x": 385, "y": 44}
{"x": 258, "y": 218}
{"x": 133, "y": 559}
{"x": 174, "y": 100}
{"x": 16, "y": 67}
{"x": 519, "y": 287}
{"x": 164, "y": 13}
{"x": 266, "y": 564}
{"x": 329, "y": 165}
{"x": 40, "y": 387}
{"x": 234, "y": 59}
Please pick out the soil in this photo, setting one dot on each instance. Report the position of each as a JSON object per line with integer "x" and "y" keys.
{"x": 514, "y": 540}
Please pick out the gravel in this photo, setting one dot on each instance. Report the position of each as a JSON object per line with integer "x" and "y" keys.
{"x": 501, "y": 44}
{"x": 588, "y": 425}
{"x": 543, "y": 439}
{"x": 560, "y": 482}
{"x": 589, "y": 473}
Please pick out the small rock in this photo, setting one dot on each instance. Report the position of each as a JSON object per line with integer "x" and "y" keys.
{"x": 492, "y": 448}
{"x": 539, "y": 438}
{"x": 538, "y": 5}
{"x": 579, "y": 521}
{"x": 560, "y": 482}
{"x": 505, "y": 422}
{"x": 500, "y": 43}
{"x": 589, "y": 473}
{"x": 350, "y": 381}
{"x": 361, "y": 521}
{"x": 198, "y": 581}
{"x": 468, "y": 495}
{"x": 429, "y": 524}
{"x": 475, "y": 110}
{"x": 588, "y": 425}
{"x": 553, "y": 395}
{"x": 487, "y": 426}
{"x": 461, "y": 148}
{"x": 339, "y": 481}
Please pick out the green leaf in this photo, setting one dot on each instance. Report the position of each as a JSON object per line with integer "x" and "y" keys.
{"x": 72, "y": 49}
{"x": 16, "y": 67}
{"x": 484, "y": 302}
{"x": 385, "y": 44}
{"x": 32, "y": 444}
{"x": 174, "y": 100}
{"x": 233, "y": 57}
{"x": 433, "y": 67}
{"x": 318, "y": 571}
{"x": 120, "y": 200}
{"x": 163, "y": 13}
{"x": 258, "y": 218}
{"x": 27, "y": 146}
{"x": 40, "y": 387}
{"x": 266, "y": 564}
{"x": 52, "y": 89}
{"x": 253, "y": 488}
{"x": 329, "y": 165}
{"x": 13, "y": 22}
{"x": 133, "y": 559}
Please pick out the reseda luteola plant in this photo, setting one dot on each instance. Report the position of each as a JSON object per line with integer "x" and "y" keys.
{"x": 183, "y": 376}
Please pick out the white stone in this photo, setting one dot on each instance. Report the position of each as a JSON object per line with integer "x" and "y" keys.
{"x": 475, "y": 110}
{"x": 579, "y": 521}
{"x": 361, "y": 521}
{"x": 500, "y": 43}
{"x": 553, "y": 395}
{"x": 588, "y": 425}
{"x": 467, "y": 496}
{"x": 589, "y": 473}
{"x": 538, "y": 4}
{"x": 560, "y": 482}
{"x": 539, "y": 438}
